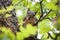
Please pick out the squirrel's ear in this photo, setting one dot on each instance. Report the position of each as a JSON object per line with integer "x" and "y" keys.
{"x": 28, "y": 9}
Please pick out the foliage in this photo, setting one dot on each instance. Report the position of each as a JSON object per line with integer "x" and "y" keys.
{"x": 48, "y": 23}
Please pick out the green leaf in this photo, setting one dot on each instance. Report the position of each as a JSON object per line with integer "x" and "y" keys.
{"x": 9, "y": 8}
{"x": 52, "y": 14}
{"x": 8, "y": 33}
{"x": 51, "y": 6}
{"x": 57, "y": 24}
{"x": 14, "y": 1}
{"x": 26, "y": 32}
{"x": 45, "y": 26}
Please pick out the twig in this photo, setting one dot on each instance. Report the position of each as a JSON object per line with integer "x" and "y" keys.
{"x": 41, "y": 9}
{"x": 42, "y": 13}
{"x": 50, "y": 36}
{"x": 56, "y": 37}
{"x": 18, "y": 2}
{"x": 57, "y": 34}
{"x": 45, "y": 15}
{"x": 49, "y": 18}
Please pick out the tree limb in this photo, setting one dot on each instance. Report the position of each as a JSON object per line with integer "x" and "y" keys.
{"x": 45, "y": 16}
{"x": 41, "y": 9}
{"x": 50, "y": 36}
{"x": 56, "y": 37}
{"x": 18, "y": 2}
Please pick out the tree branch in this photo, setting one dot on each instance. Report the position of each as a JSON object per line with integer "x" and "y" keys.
{"x": 45, "y": 15}
{"x": 41, "y": 9}
{"x": 18, "y": 2}
{"x": 56, "y": 37}
{"x": 42, "y": 13}
{"x": 50, "y": 36}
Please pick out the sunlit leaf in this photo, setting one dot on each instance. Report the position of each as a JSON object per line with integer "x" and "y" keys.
{"x": 45, "y": 26}
{"x": 51, "y": 6}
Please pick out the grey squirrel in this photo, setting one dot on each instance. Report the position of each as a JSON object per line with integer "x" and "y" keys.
{"x": 30, "y": 18}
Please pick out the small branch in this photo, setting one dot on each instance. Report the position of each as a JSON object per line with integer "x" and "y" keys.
{"x": 41, "y": 9}
{"x": 42, "y": 13}
{"x": 50, "y": 36}
{"x": 48, "y": 18}
{"x": 18, "y": 2}
{"x": 57, "y": 2}
{"x": 45, "y": 16}
{"x": 56, "y": 37}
